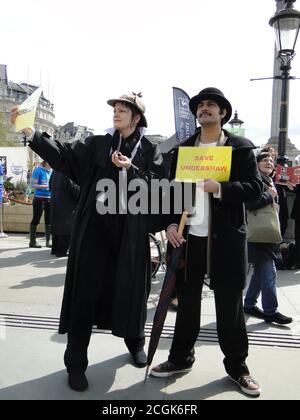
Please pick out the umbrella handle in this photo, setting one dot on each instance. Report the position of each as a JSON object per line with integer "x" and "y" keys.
{"x": 182, "y": 222}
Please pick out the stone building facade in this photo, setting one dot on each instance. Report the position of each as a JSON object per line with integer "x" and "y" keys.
{"x": 71, "y": 132}
{"x": 12, "y": 93}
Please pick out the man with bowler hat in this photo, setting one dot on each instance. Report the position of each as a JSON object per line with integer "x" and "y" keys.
{"x": 215, "y": 244}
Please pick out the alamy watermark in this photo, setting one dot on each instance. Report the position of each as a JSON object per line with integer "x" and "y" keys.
{"x": 157, "y": 197}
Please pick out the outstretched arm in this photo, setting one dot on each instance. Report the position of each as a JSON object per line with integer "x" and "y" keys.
{"x": 74, "y": 160}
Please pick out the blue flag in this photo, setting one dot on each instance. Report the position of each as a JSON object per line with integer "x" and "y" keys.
{"x": 185, "y": 123}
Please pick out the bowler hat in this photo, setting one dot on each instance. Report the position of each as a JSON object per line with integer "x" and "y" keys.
{"x": 214, "y": 94}
{"x": 135, "y": 100}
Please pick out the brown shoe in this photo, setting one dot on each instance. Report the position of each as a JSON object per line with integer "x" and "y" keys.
{"x": 166, "y": 369}
{"x": 248, "y": 385}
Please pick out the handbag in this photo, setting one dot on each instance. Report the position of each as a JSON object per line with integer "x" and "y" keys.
{"x": 263, "y": 225}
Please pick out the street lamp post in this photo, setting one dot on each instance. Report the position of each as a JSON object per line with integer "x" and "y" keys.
{"x": 236, "y": 125}
{"x": 286, "y": 23}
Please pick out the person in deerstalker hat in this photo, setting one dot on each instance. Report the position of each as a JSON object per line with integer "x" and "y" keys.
{"x": 215, "y": 241}
{"x": 109, "y": 271}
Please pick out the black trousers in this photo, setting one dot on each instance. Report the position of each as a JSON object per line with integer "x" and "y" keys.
{"x": 231, "y": 327}
{"x": 60, "y": 244}
{"x": 39, "y": 205}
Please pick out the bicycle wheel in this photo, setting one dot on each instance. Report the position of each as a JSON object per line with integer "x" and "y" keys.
{"x": 156, "y": 254}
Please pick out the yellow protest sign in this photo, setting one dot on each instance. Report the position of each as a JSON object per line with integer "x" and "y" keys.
{"x": 196, "y": 163}
{"x": 27, "y": 111}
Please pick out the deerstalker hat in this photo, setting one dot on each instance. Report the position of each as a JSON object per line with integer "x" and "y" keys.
{"x": 135, "y": 100}
{"x": 214, "y": 94}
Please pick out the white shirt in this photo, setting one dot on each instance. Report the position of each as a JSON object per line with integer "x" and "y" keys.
{"x": 199, "y": 221}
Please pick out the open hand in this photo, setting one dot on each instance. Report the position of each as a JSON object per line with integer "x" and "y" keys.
{"x": 13, "y": 115}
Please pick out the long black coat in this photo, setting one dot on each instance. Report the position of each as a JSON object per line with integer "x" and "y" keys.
{"x": 86, "y": 162}
{"x": 227, "y": 250}
{"x": 64, "y": 199}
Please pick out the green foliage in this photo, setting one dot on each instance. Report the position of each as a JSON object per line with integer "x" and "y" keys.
{"x": 20, "y": 187}
{"x": 10, "y": 143}
{"x": 9, "y": 186}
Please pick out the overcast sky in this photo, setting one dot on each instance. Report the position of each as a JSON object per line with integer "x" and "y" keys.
{"x": 85, "y": 52}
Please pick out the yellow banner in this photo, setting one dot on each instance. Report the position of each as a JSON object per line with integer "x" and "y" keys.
{"x": 27, "y": 111}
{"x": 196, "y": 163}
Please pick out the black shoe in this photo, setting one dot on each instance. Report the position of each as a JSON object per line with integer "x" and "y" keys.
{"x": 278, "y": 318}
{"x": 254, "y": 311}
{"x": 78, "y": 381}
{"x": 139, "y": 358}
{"x": 280, "y": 266}
{"x": 34, "y": 245}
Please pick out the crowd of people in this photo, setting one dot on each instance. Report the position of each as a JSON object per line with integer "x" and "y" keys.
{"x": 108, "y": 275}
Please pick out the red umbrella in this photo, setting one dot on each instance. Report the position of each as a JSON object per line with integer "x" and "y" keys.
{"x": 165, "y": 297}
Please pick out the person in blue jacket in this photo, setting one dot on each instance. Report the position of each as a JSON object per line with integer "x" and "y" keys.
{"x": 41, "y": 202}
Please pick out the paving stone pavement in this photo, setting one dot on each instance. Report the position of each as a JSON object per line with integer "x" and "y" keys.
{"x": 31, "y": 363}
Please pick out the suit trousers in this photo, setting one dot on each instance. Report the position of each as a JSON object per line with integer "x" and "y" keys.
{"x": 231, "y": 327}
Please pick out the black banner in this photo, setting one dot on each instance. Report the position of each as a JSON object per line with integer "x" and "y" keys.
{"x": 185, "y": 122}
